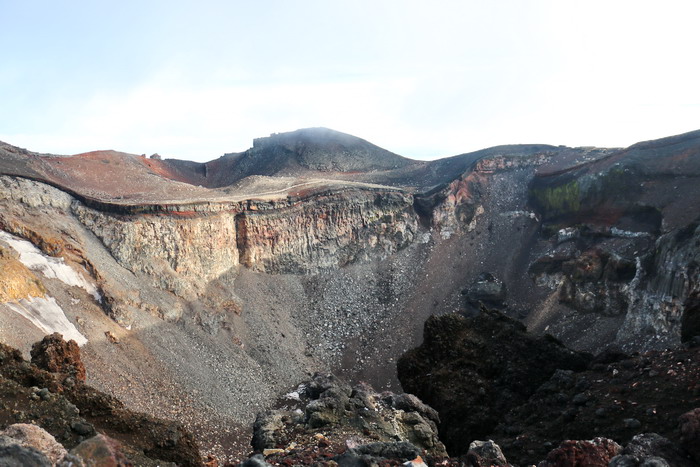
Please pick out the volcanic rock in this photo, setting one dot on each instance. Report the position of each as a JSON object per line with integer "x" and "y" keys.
{"x": 15, "y": 455}
{"x": 35, "y": 437}
{"x": 474, "y": 370}
{"x": 690, "y": 433}
{"x": 690, "y": 322}
{"x": 487, "y": 289}
{"x": 486, "y": 454}
{"x": 651, "y": 449}
{"x": 654, "y": 389}
{"x": 328, "y": 413}
{"x": 595, "y": 453}
{"x": 70, "y": 412}
{"x": 102, "y": 450}
{"x": 55, "y": 355}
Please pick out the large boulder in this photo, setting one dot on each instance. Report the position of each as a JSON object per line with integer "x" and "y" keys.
{"x": 101, "y": 450}
{"x": 35, "y": 437}
{"x": 575, "y": 453}
{"x": 486, "y": 289}
{"x": 651, "y": 449}
{"x": 474, "y": 370}
{"x": 55, "y": 355}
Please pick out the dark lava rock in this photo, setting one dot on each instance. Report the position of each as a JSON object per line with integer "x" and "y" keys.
{"x": 378, "y": 454}
{"x": 55, "y": 355}
{"x": 650, "y": 449}
{"x": 486, "y": 289}
{"x": 638, "y": 394}
{"x": 474, "y": 370}
{"x": 690, "y": 322}
{"x": 14, "y": 455}
{"x": 690, "y": 433}
{"x": 595, "y": 453}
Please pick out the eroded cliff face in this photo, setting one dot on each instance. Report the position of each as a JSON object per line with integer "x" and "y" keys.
{"x": 182, "y": 251}
{"x": 457, "y": 207}
{"x": 179, "y": 252}
{"x": 661, "y": 292}
{"x": 326, "y": 232}
{"x": 617, "y": 242}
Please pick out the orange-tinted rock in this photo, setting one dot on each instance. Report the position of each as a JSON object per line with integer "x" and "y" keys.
{"x": 58, "y": 356}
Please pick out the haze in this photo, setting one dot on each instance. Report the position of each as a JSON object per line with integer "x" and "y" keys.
{"x": 196, "y": 80}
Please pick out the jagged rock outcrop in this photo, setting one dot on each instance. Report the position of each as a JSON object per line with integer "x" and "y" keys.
{"x": 328, "y": 231}
{"x": 621, "y": 240}
{"x": 474, "y": 370}
{"x": 662, "y": 301}
{"x": 72, "y": 412}
{"x": 327, "y": 410}
{"x": 55, "y": 355}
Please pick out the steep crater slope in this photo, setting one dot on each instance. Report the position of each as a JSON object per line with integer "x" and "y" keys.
{"x": 622, "y": 239}
{"x": 211, "y": 301}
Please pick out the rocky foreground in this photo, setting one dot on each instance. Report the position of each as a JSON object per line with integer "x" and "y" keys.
{"x": 51, "y": 417}
{"x": 501, "y": 397}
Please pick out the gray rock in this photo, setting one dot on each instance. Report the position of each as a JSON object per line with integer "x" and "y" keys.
{"x": 14, "y": 455}
{"x": 624, "y": 460}
{"x": 255, "y": 461}
{"x": 35, "y": 437}
{"x": 486, "y": 453}
{"x": 652, "y": 447}
{"x": 632, "y": 423}
{"x": 654, "y": 462}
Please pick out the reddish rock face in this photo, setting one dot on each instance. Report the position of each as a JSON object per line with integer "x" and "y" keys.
{"x": 594, "y": 453}
{"x": 102, "y": 450}
{"x": 58, "y": 356}
{"x": 690, "y": 433}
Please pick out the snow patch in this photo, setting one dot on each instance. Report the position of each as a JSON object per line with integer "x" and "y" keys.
{"x": 52, "y": 268}
{"x": 48, "y": 316}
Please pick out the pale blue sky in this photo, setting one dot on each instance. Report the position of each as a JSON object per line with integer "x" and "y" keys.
{"x": 194, "y": 80}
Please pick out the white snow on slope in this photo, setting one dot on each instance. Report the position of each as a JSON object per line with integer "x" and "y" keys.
{"x": 48, "y": 316}
{"x": 45, "y": 313}
{"x": 52, "y": 268}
